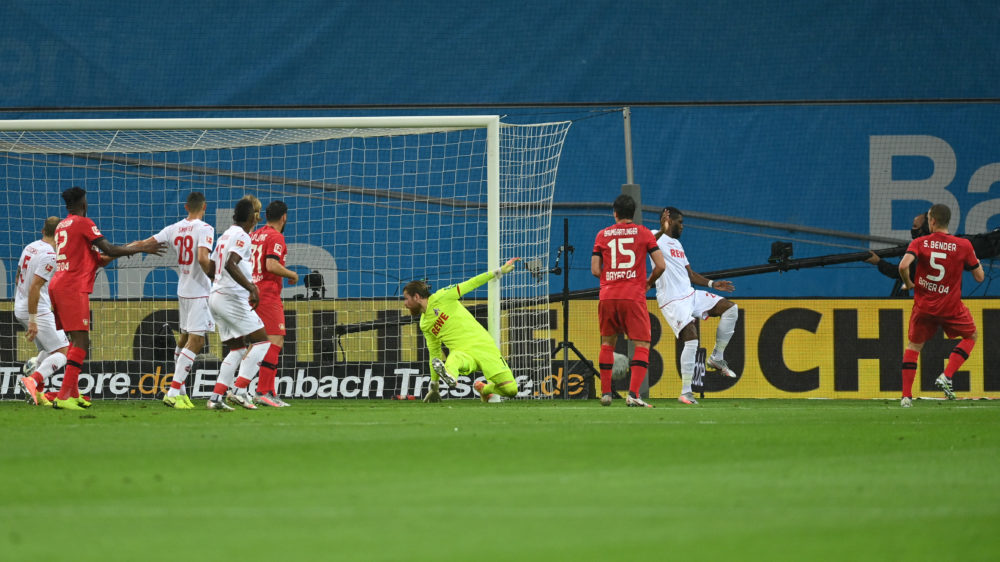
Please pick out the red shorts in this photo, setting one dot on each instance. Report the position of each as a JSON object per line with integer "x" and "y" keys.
{"x": 72, "y": 310}
{"x": 272, "y": 314}
{"x": 923, "y": 326}
{"x": 619, "y": 316}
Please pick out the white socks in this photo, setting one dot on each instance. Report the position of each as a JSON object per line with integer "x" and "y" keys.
{"x": 227, "y": 371}
{"x": 50, "y": 365}
{"x": 182, "y": 366}
{"x": 687, "y": 364}
{"x": 251, "y": 363}
{"x": 727, "y": 325}
{"x": 177, "y": 354}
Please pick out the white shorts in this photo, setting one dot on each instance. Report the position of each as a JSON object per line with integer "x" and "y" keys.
{"x": 195, "y": 316}
{"x": 681, "y": 312}
{"x": 49, "y": 338}
{"x": 233, "y": 316}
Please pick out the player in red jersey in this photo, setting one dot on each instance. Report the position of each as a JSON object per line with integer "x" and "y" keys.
{"x": 619, "y": 261}
{"x": 937, "y": 298}
{"x": 80, "y": 250}
{"x": 269, "y": 252}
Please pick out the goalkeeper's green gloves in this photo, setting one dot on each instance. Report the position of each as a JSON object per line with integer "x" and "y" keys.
{"x": 433, "y": 395}
{"x": 506, "y": 268}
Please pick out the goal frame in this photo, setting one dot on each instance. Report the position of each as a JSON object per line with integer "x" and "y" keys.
{"x": 489, "y": 122}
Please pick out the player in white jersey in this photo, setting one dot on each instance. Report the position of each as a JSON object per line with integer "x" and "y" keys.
{"x": 34, "y": 311}
{"x": 680, "y": 304}
{"x": 233, "y": 298}
{"x": 191, "y": 239}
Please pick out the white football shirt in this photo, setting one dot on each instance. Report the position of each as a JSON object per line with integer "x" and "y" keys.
{"x": 38, "y": 258}
{"x": 186, "y": 236}
{"x": 675, "y": 282}
{"x": 235, "y": 240}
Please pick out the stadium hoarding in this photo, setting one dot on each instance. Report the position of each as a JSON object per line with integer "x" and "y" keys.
{"x": 842, "y": 348}
{"x": 782, "y": 348}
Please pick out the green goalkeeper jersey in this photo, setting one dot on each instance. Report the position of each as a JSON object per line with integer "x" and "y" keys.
{"x": 447, "y": 321}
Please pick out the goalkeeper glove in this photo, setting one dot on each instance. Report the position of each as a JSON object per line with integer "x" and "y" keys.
{"x": 506, "y": 268}
{"x": 433, "y": 395}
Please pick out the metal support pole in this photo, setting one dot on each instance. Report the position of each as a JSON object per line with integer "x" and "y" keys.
{"x": 627, "y": 115}
{"x": 631, "y": 188}
{"x": 565, "y": 304}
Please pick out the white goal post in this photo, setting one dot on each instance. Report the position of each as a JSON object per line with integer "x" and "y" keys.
{"x": 374, "y": 202}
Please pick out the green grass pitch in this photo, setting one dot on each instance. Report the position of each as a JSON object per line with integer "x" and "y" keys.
{"x": 534, "y": 480}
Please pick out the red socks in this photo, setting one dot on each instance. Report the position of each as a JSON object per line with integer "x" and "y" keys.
{"x": 958, "y": 356}
{"x": 640, "y": 363}
{"x": 74, "y": 364}
{"x": 39, "y": 381}
{"x": 605, "y": 361}
{"x": 268, "y": 370}
{"x": 909, "y": 371}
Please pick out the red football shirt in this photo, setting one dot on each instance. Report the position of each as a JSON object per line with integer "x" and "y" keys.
{"x": 267, "y": 243}
{"x": 77, "y": 259}
{"x": 623, "y": 248}
{"x": 941, "y": 258}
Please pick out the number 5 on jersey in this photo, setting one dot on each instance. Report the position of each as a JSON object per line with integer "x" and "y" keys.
{"x": 936, "y": 266}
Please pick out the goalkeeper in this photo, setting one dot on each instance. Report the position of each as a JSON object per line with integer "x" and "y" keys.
{"x": 443, "y": 319}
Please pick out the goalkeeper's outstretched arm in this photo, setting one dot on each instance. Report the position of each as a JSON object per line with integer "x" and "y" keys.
{"x": 470, "y": 285}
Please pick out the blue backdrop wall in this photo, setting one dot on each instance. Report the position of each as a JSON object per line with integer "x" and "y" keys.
{"x": 59, "y": 53}
{"x": 860, "y": 168}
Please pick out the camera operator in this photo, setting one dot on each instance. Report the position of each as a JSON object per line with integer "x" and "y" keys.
{"x": 891, "y": 270}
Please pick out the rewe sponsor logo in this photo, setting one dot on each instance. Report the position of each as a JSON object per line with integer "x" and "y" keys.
{"x": 439, "y": 323}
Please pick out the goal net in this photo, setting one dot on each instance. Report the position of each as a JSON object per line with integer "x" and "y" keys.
{"x": 373, "y": 204}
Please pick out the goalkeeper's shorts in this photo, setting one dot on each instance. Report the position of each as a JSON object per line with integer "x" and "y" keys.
{"x": 489, "y": 361}
{"x": 492, "y": 364}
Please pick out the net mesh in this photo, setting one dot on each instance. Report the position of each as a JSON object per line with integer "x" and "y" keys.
{"x": 369, "y": 211}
